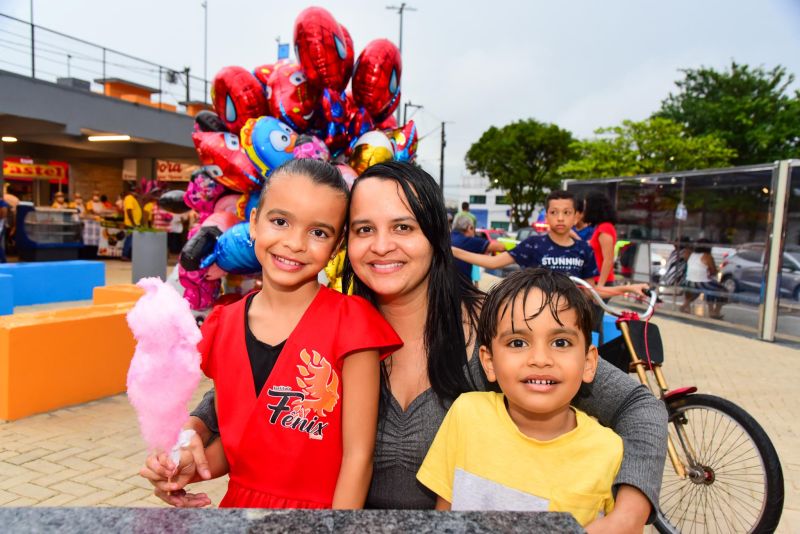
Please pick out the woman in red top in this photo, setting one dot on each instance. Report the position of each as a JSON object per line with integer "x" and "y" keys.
{"x": 296, "y": 366}
{"x": 600, "y": 213}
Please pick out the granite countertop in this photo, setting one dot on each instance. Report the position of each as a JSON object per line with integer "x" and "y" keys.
{"x": 180, "y": 521}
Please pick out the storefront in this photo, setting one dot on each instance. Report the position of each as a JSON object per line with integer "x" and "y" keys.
{"x": 35, "y": 181}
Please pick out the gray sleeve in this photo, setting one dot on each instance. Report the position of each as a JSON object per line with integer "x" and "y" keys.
{"x": 206, "y": 412}
{"x": 630, "y": 409}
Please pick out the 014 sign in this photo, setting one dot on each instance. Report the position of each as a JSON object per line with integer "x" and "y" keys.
{"x": 172, "y": 171}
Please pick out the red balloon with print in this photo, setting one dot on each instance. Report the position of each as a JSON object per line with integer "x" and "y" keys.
{"x": 321, "y": 46}
{"x": 291, "y": 97}
{"x": 224, "y": 160}
{"x": 238, "y": 96}
{"x": 376, "y": 81}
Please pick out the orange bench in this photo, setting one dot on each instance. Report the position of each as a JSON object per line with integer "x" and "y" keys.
{"x": 116, "y": 294}
{"x": 53, "y": 359}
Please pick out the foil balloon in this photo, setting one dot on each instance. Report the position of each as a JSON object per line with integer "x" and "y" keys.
{"x": 202, "y": 192}
{"x": 321, "y": 47}
{"x": 309, "y": 146}
{"x": 227, "y": 204}
{"x": 237, "y": 97}
{"x": 291, "y": 97}
{"x": 203, "y": 239}
{"x": 268, "y": 142}
{"x": 198, "y": 291}
{"x": 335, "y": 112}
{"x": 405, "y": 141}
{"x": 208, "y": 121}
{"x": 223, "y": 160}
{"x": 389, "y": 123}
{"x": 376, "y": 80}
{"x": 246, "y": 204}
{"x": 348, "y": 174}
{"x": 371, "y": 148}
{"x": 172, "y": 201}
{"x": 234, "y": 251}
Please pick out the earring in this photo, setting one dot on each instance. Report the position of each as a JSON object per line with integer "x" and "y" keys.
{"x": 251, "y": 241}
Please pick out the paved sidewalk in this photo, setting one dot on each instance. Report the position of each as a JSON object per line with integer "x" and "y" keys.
{"x": 90, "y": 454}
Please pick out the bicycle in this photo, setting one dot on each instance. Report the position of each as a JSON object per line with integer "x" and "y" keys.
{"x": 723, "y": 474}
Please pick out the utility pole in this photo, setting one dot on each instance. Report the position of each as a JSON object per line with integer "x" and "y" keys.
{"x": 33, "y": 41}
{"x": 403, "y": 7}
{"x": 205, "y": 49}
{"x": 405, "y": 111}
{"x": 441, "y": 162}
{"x": 186, "y": 73}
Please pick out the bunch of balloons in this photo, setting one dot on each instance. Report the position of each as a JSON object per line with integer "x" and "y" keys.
{"x": 289, "y": 109}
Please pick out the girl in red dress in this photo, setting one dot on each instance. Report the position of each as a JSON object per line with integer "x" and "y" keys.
{"x": 296, "y": 365}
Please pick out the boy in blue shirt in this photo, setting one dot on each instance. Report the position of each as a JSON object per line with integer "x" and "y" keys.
{"x": 556, "y": 250}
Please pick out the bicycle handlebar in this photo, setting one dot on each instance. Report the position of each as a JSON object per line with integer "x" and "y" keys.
{"x": 616, "y": 313}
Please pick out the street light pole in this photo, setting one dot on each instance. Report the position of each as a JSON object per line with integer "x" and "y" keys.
{"x": 205, "y": 49}
{"x": 402, "y": 8}
{"x": 33, "y": 40}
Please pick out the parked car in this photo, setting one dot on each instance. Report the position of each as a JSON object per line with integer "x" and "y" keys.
{"x": 744, "y": 270}
{"x": 490, "y": 234}
{"x": 511, "y": 241}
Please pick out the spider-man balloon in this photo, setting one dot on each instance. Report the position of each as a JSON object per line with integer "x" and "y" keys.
{"x": 225, "y": 161}
{"x": 404, "y": 140}
{"x": 291, "y": 98}
{"x": 321, "y": 47}
{"x": 237, "y": 96}
{"x": 376, "y": 82}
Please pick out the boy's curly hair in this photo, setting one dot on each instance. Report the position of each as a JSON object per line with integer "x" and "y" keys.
{"x": 560, "y": 294}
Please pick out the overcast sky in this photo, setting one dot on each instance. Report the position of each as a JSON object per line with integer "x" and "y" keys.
{"x": 581, "y": 64}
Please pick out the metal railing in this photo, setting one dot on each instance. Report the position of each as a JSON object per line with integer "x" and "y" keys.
{"x": 45, "y": 54}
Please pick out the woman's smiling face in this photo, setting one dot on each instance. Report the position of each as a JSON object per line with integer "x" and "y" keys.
{"x": 386, "y": 246}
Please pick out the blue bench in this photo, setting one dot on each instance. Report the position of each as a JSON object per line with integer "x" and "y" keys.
{"x": 53, "y": 281}
{"x": 6, "y": 295}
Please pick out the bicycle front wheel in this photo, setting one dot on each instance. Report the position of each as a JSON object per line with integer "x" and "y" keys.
{"x": 734, "y": 482}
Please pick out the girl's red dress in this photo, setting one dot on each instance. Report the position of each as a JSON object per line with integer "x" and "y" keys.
{"x": 284, "y": 447}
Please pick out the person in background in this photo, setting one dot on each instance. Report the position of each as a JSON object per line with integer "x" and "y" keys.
{"x": 132, "y": 212}
{"x": 582, "y": 230}
{"x": 599, "y": 213}
{"x": 3, "y": 217}
{"x": 465, "y": 211}
{"x": 59, "y": 201}
{"x": 95, "y": 205}
{"x": 119, "y": 204}
{"x": 463, "y": 237}
{"x": 77, "y": 203}
{"x": 701, "y": 272}
{"x": 175, "y": 233}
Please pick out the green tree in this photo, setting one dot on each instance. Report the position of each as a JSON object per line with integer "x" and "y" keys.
{"x": 751, "y": 109}
{"x": 646, "y": 147}
{"x": 521, "y": 158}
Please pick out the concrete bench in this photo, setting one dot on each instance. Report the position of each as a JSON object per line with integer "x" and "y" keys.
{"x": 53, "y": 359}
{"x": 54, "y": 281}
{"x": 6, "y": 294}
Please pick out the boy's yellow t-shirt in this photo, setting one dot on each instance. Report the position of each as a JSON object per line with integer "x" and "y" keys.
{"x": 130, "y": 203}
{"x": 480, "y": 460}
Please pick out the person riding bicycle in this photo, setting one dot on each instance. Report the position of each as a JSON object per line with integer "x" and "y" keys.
{"x": 524, "y": 447}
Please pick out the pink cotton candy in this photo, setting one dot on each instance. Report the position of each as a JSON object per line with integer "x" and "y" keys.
{"x": 165, "y": 369}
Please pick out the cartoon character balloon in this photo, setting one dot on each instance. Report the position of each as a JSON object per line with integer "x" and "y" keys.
{"x": 268, "y": 142}
{"x": 291, "y": 97}
{"x": 371, "y": 148}
{"x": 321, "y": 47}
{"x": 405, "y": 141}
{"x": 348, "y": 174}
{"x": 208, "y": 121}
{"x": 309, "y": 146}
{"x": 224, "y": 160}
{"x": 237, "y": 97}
{"x": 376, "y": 81}
{"x": 202, "y": 192}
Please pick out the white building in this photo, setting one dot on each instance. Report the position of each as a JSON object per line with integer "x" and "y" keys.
{"x": 490, "y": 207}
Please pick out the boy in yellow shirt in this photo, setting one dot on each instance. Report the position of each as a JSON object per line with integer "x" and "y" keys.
{"x": 524, "y": 447}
